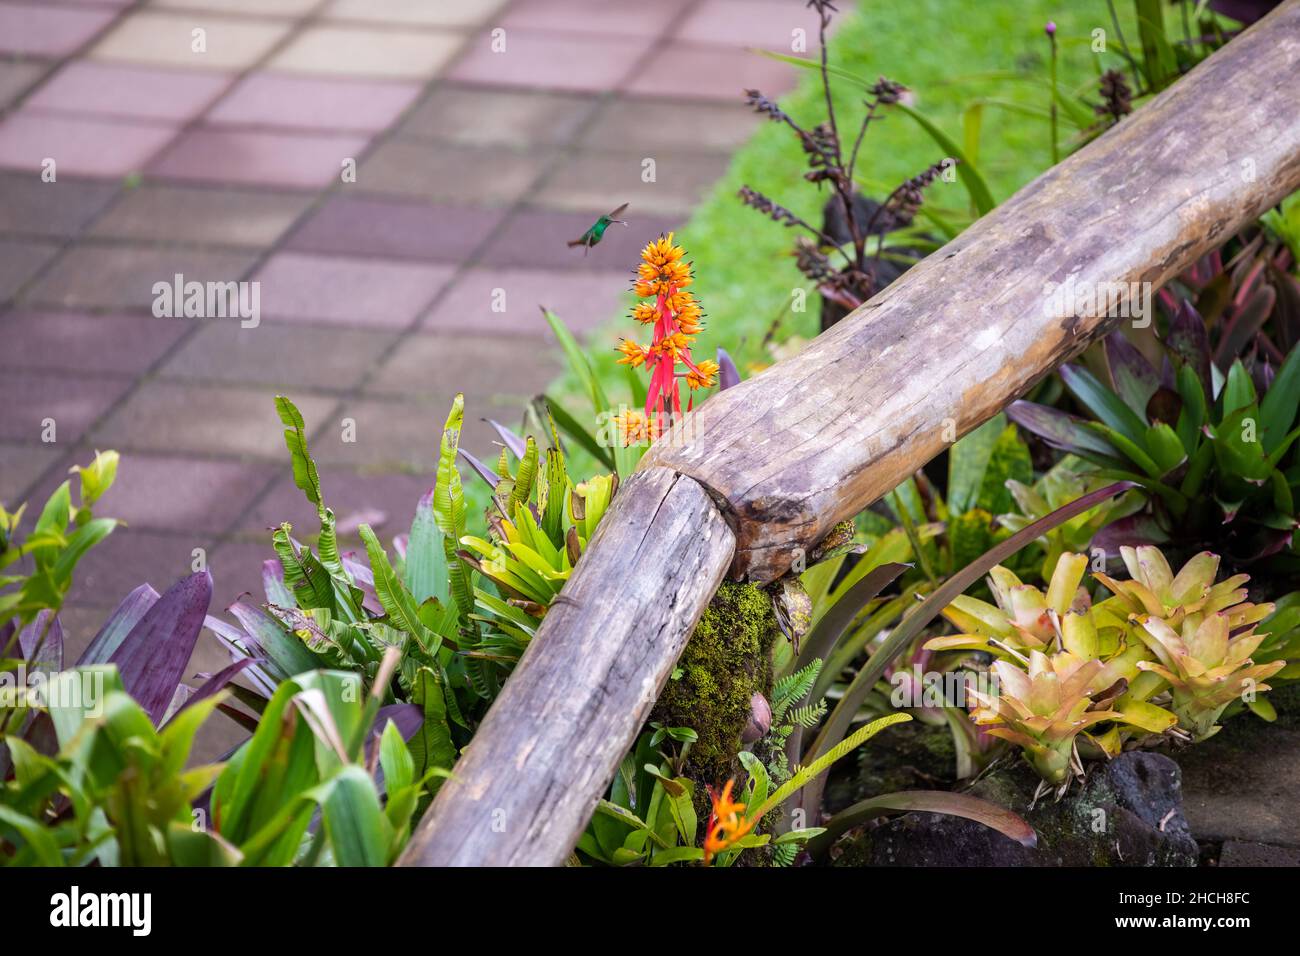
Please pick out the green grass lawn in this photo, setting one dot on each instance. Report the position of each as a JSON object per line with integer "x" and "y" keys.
{"x": 939, "y": 49}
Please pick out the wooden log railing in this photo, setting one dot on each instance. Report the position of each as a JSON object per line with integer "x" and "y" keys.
{"x": 761, "y": 472}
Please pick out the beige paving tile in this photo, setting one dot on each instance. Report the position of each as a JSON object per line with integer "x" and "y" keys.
{"x": 443, "y": 13}
{"x": 230, "y": 217}
{"x": 166, "y": 39}
{"x": 349, "y": 51}
{"x": 276, "y": 8}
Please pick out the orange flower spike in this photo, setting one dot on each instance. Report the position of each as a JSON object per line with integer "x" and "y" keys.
{"x": 703, "y": 375}
{"x": 645, "y": 313}
{"x": 634, "y": 354}
{"x": 727, "y": 824}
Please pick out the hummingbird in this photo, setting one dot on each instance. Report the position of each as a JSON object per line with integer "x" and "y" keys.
{"x": 597, "y": 232}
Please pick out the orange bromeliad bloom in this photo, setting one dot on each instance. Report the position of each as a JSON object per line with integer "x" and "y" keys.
{"x": 676, "y": 316}
{"x": 727, "y": 823}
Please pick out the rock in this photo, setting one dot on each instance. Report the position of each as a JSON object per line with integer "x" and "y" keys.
{"x": 1243, "y": 783}
{"x": 1127, "y": 813}
{"x": 1241, "y": 853}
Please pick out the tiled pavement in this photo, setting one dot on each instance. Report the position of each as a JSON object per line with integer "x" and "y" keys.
{"x": 473, "y": 167}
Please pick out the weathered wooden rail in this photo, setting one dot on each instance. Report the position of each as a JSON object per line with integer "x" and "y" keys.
{"x": 769, "y": 466}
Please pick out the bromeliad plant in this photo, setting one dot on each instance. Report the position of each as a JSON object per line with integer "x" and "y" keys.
{"x": 1215, "y": 460}
{"x": 539, "y": 524}
{"x": 1113, "y": 672}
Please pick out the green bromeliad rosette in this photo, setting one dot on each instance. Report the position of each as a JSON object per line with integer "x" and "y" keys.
{"x": 1163, "y": 656}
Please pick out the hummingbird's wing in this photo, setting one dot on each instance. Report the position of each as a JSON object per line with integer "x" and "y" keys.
{"x": 618, "y": 212}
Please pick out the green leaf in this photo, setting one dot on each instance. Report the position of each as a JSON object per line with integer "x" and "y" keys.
{"x": 1278, "y": 409}
{"x": 969, "y": 174}
{"x": 354, "y": 822}
{"x": 401, "y": 607}
{"x": 426, "y": 556}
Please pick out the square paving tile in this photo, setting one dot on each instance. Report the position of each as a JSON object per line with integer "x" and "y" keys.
{"x": 413, "y": 12}
{"x": 403, "y": 229}
{"x": 122, "y": 276}
{"x": 20, "y": 259}
{"x": 562, "y": 61}
{"x": 277, "y": 8}
{"x": 634, "y": 18}
{"x": 600, "y": 181}
{"x": 29, "y": 398}
{"x": 172, "y": 493}
{"x": 447, "y": 173}
{"x": 20, "y": 466}
{"x": 161, "y": 38}
{"x": 630, "y": 123}
{"x": 403, "y": 435}
{"x": 537, "y": 238}
{"x": 324, "y": 103}
{"x": 386, "y": 501}
{"x": 39, "y": 29}
{"x": 350, "y": 51}
{"x": 256, "y": 157}
{"x": 495, "y": 117}
{"x": 360, "y": 292}
{"x": 751, "y": 23}
{"x": 106, "y": 89}
{"x": 507, "y": 371}
{"x": 15, "y": 78}
{"x": 77, "y": 342}
{"x": 130, "y": 557}
{"x": 232, "y": 217}
{"x": 583, "y": 300}
{"x": 174, "y": 417}
{"x": 80, "y": 146}
{"x": 696, "y": 71}
{"x": 271, "y": 356}
{"x": 60, "y": 209}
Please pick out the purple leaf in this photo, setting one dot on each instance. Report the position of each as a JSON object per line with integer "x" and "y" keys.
{"x": 277, "y": 592}
{"x": 1245, "y": 323}
{"x": 118, "y": 625}
{"x": 728, "y": 374}
{"x": 152, "y": 657}
{"x": 1130, "y": 372}
{"x": 1131, "y": 531}
{"x": 365, "y": 580}
{"x": 219, "y": 680}
{"x": 1188, "y": 340}
{"x": 285, "y": 653}
{"x": 1059, "y": 429}
{"x": 45, "y": 652}
{"x": 518, "y": 447}
{"x": 482, "y": 470}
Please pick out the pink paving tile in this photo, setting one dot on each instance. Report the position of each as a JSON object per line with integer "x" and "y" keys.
{"x": 42, "y": 30}
{"x": 79, "y": 145}
{"x": 245, "y": 156}
{"x": 183, "y": 494}
{"x": 297, "y": 102}
{"x": 537, "y": 239}
{"x": 751, "y": 23}
{"x": 75, "y": 341}
{"x": 696, "y": 71}
{"x": 554, "y": 60}
{"x": 73, "y": 402}
{"x": 132, "y": 91}
{"x": 15, "y": 78}
{"x": 408, "y": 230}
{"x": 359, "y": 292}
{"x": 507, "y": 301}
{"x": 616, "y": 17}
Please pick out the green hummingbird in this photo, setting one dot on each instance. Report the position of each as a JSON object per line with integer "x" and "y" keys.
{"x": 597, "y": 232}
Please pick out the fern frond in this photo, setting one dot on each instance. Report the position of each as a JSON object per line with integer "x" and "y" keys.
{"x": 808, "y": 716}
{"x": 793, "y": 688}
